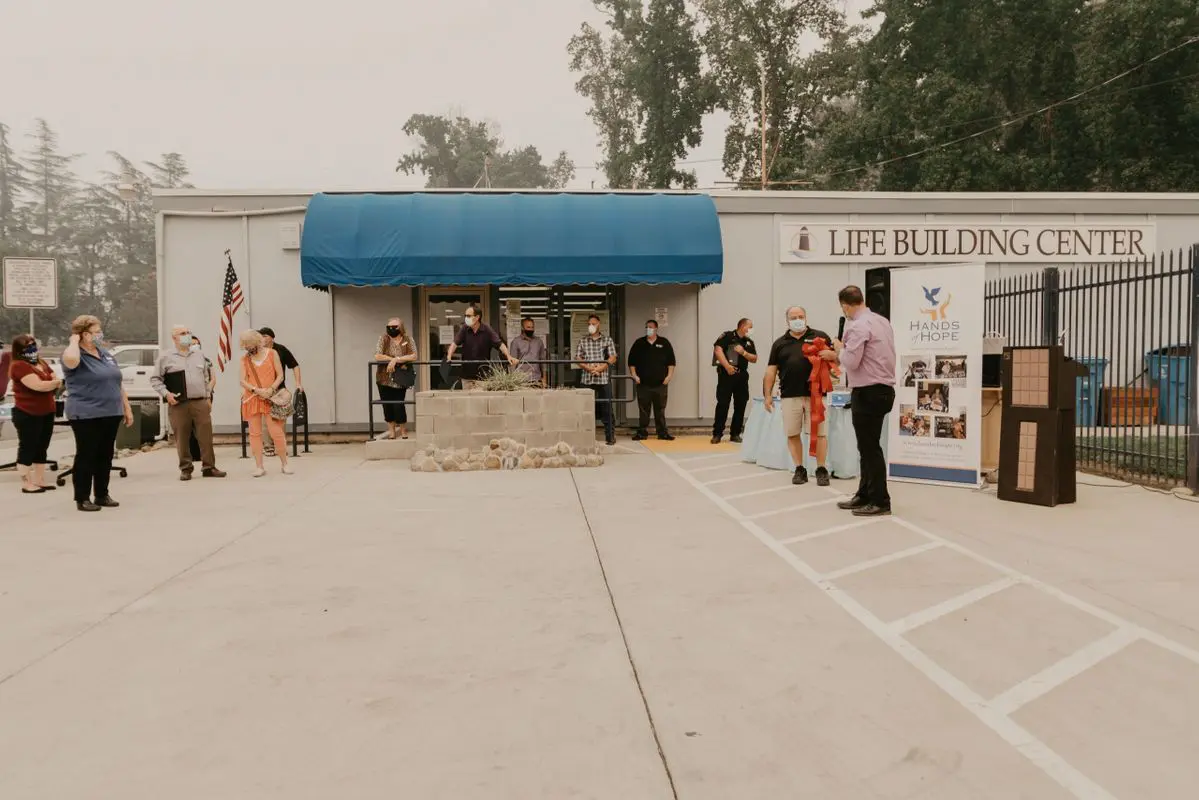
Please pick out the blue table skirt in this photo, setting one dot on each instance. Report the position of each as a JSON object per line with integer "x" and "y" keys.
{"x": 764, "y": 443}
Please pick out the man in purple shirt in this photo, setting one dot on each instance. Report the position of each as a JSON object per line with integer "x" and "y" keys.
{"x": 868, "y": 356}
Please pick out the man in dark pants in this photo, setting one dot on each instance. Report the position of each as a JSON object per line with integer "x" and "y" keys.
{"x": 868, "y": 356}
{"x": 651, "y": 364}
{"x": 732, "y": 354}
{"x": 596, "y": 355}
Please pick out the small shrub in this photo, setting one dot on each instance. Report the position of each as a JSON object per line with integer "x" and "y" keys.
{"x": 502, "y": 379}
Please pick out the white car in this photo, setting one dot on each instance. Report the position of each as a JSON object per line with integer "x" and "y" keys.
{"x": 137, "y": 364}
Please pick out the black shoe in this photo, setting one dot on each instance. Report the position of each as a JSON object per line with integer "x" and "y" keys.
{"x": 87, "y": 505}
{"x": 212, "y": 473}
{"x": 640, "y": 437}
{"x": 38, "y": 490}
{"x": 107, "y": 502}
{"x": 800, "y": 477}
{"x": 822, "y": 476}
{"x": 666, "y": 437}
{"x": 716, "y": 440}
{"x": 852, "y": 503}
{"x": 872, "y": 511}
{"x": 185, "y": 476}
{"x": 49, "y": 488}
{"x": 735, "y": 439}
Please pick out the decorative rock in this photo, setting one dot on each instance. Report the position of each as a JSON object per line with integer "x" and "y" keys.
{"x": 494, "y": 444}
{"x": 526, "y": 462}
{"x": 429, "y": 466}
{"x": 451, "y": 465}
{"x": 570, "y": 460}
{"x": 562, "y": 449}
{"x": 492, "y": 461}
{"x": 510, "y": 461}
{"x": 552, "y": 463}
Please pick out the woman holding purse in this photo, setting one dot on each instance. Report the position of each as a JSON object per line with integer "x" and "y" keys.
{"x": 395, "y": 353}
{"x": 261, "y": 376}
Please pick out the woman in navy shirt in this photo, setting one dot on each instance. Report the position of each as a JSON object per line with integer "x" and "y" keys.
{"x": 96, "y": 402}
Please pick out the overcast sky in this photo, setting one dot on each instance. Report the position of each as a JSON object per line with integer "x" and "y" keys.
{"x": 297, "y": 93}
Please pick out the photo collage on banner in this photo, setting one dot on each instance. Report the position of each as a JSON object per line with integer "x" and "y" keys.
{"x": 936, "y": 427}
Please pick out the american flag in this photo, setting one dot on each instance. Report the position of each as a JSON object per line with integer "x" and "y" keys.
{"x": 231, "y": 301}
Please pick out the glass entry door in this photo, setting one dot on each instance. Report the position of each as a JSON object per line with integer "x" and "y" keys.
{"x": 443, "y": 312}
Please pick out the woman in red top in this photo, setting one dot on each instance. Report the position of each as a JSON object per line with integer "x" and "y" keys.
{"x": 33, "y": 385}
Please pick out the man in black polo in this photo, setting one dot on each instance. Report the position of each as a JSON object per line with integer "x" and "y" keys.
{"x": 651, "y": 365}
{"x": 732, "y": 354}
{"x": 477, "y": 341}
{"x": 793, "y": 369}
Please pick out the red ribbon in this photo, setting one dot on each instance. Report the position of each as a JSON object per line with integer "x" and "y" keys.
{"x": 821, "y": 382}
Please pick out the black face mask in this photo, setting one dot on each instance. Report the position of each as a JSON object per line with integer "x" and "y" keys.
{"x": 29, "y": 354}
{"x": 393, "y": 331}
{"x": 527, "y": 333}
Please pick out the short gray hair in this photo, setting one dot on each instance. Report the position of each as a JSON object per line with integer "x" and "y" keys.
{"x": 787, "y": 313}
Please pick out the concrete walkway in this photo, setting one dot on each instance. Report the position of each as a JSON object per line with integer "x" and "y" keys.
{"x": 672, "y": 624}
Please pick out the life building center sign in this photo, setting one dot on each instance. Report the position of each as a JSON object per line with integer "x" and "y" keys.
{"x": 1061, "y": 243}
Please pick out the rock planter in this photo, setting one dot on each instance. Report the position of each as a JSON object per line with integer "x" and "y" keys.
{"x": 535, "y": 418}
{"x": 502, "y": 454}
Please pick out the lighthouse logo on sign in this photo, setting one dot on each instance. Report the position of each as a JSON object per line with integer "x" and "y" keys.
{"x": 802, "y": 243}
{"x": 938, "y": 328}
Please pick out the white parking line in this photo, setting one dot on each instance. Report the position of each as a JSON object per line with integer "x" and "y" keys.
{"x": 736, "y": 478}
{"x": 1069, "y": 667}
{"x": 933, "y": 613}
{"x": 709, "y": 457}
{"x": 862, "y": 566}
{"x": 787, "y": 485}
{"x": 714, "y": 466}
{"x": 849, "y": 526}
{"x": 799, "y": 507}
{"x": 1036, "y": 751}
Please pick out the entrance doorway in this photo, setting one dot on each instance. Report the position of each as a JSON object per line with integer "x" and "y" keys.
{"x": 443, "y": 312}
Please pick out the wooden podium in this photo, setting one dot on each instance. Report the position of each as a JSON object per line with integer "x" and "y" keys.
{"x": 1037, "y": 460}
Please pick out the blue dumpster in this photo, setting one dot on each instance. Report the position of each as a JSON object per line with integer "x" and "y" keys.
{"x": 1087, "y": 392}
{"x": 1169, "y": 369}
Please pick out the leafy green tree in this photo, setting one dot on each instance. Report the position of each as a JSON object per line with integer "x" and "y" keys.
{"x": 947, "y": 98}
{"x": 605, "y": 66}
{"x": 1145, "y": 127}
{"x": 170, "y": 173}
{"x": 13, "y": 181}
{"x": 457, "y": 153}
{"x": 647, "y": 89}
{"x": 52, "y": 187}
{"x": 751, "y": 42}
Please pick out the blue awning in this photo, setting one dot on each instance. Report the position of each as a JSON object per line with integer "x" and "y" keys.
{"x": 443, "y": 239}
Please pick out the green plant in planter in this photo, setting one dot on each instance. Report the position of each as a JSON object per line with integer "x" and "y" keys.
{"x": 500, "y": 379}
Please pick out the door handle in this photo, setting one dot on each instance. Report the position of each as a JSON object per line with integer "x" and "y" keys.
{"x": 141, "y": 372}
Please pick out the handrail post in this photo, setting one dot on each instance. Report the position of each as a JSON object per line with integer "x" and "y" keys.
{"x": 1193, "y": 380}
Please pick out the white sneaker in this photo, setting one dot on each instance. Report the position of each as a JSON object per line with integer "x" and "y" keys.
{"x": 384, "y": 435}
{"x": 258, "y": 473}
{"x": 287, "y": 470}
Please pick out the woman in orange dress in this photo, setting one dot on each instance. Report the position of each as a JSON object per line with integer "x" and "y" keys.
{"x": 261, "y": 375}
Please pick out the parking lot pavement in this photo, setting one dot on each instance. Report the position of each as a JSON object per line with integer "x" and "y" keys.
{"x": 669, "y": 625}
{"x": 1072, "y": 633}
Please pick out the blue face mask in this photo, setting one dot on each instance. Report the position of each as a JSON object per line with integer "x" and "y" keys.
{"x": 798, "y": 325}
{"x": 185, "y": 340}
{"x": 97, "y": 339}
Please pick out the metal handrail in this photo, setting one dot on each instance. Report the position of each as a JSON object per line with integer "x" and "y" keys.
{"x": 374, "y": 364}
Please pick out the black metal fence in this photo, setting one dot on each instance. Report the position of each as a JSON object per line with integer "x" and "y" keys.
{"x": 1135, "y": 325}
{"x": 554, "y": 371}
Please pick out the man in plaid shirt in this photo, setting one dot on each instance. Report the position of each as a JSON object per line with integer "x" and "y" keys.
{"x": 596, "y": 355}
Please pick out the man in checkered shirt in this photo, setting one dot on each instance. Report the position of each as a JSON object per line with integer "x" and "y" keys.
{"x": 596, "y": 355}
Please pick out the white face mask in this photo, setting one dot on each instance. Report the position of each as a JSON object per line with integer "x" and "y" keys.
{"x": 798, "y": 325}
{"x": 651, "y": 332}
{"x": 195, "y": 348}
{"x": 592, "y": 328}
{"x": 468, "y": 319}
{"x": 749, "y": 332}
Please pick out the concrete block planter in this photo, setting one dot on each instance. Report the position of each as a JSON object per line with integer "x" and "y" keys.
{"x": 534, "y": 418}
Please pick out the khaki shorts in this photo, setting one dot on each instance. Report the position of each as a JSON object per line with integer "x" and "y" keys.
{"x": 797, "y": 417}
